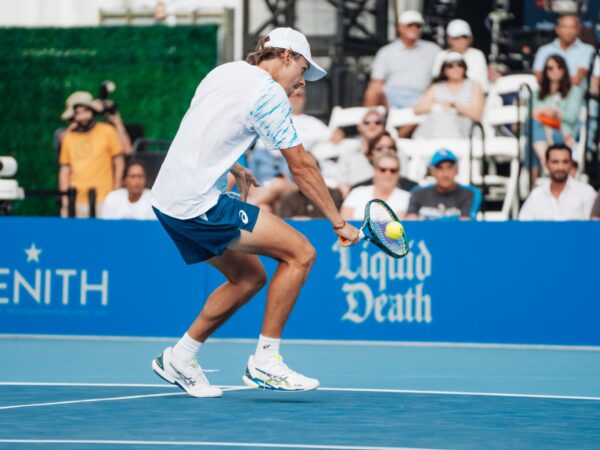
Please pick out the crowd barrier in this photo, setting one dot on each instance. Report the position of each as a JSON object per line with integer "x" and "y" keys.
{"x": 511, "y": 282}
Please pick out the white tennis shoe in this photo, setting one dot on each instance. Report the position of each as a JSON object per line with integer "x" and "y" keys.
{"x": 275, "y": 375}
{"x": 189, "y": 377}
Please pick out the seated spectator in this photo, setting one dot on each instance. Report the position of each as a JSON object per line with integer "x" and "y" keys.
{"x": 384, "y": 187}
{"x": 577, "y": 54}
{"x": 596, "y": 208}
{"x": 564, "y": 198}
{"x": 296, "y": 205}
{"x": 452, "y": 103}
{"x": 401, "y": 70}
{"x": 460, "y": 38}
{"x": 446, "y": 199}
{"x": 353, "y": 165}
{"x": 556, "y": 110}
{"x": 133, "y": 201}
{"x": 382, "y": 143}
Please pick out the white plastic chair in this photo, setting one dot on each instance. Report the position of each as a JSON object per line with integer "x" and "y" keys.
{"x": 346, "y": 117}
{"x": 399, "y": 117}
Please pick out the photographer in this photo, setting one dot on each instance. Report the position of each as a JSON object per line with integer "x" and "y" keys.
{"x": 91, "y": 154}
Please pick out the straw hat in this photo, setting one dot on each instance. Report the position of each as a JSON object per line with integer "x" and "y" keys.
{"x": 79, "y": 98}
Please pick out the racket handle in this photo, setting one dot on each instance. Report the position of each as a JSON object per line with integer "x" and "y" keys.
{"x": 346, "y": 242}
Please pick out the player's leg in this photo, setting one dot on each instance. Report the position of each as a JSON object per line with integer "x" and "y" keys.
{"x": 273, "y": 237}
{"x": 245, "y": 276}
{"x": 178, "y": 365}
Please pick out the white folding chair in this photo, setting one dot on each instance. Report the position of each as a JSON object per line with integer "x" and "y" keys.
{"x": 346, "y": 117}
{"x": 399, "y": 117}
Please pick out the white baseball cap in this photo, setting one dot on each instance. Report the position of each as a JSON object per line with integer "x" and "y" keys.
{"x": 457, "y": 28}
{"x": 292, "y": 39}
{"x": 453, "y": 57}
{"x": 410, "y": 17}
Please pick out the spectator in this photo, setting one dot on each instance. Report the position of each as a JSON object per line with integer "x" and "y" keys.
{"x": 564, "y": 198}
{"x": 596, "y": 208}
{"x": 311, "y": 130}
{"x": 353, "y": 165}
{"x": 452, "y": 103}
{"x": 446, "y": 199}
{"x": 91, "y": 156}
{"x": 460, "y": 39}
{"x": 296, "y": 205}
{"x": 556, "y": 110}
{"x": 384, "y": 142}
{"x": 402, "y": 69}
{"x": 577, "y": 54}
{"x": 384, "y": 187}
{"x": 133, "y": 200}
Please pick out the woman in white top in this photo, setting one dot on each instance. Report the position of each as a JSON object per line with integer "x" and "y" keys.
{"x": 460, "y": 38}
{"x": 133, "y": 201}
{"x": 384, "y": 187}
{"x": 452, "y": 103}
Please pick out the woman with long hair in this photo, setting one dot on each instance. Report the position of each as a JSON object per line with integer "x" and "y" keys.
{"x": 452, "y": 102}
{"x": 556, "y": 110}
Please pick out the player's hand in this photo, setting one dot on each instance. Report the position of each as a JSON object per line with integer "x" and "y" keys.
{"x": 244, "y": 179}
{"x": 348, "y": 235}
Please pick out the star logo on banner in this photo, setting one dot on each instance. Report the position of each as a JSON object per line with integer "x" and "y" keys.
{"x": 33, "y": 253}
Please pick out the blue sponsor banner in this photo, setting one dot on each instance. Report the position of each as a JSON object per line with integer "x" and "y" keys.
{"x": 527, "y": 283}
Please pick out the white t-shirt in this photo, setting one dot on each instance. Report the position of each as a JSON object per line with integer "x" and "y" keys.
{"x": 117, "y": 206}
{"x": 476, "y": 66}
{"x": 574, "y": 203}
{"x": 234, "y": 105}
{"x": 360, "y": 196}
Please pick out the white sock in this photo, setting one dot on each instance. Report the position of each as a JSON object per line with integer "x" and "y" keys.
{"x": 266, "y": 348}
{"x": 186, "y": 348}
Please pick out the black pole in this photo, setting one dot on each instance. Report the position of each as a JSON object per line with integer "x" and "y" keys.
{"x": 71, "y": 195}
{"x": 92, "y": 201}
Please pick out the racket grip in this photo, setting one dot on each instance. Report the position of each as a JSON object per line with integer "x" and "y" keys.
{"x": 346, "y": 242}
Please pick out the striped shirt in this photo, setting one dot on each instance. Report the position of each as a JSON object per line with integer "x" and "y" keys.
{"x": 233, "y": 106}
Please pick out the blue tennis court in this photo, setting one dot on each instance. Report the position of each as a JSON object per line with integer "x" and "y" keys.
{"x": 101, "y": 394}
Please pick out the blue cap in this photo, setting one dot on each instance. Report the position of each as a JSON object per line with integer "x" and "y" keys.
{"x": 442, "y": 155}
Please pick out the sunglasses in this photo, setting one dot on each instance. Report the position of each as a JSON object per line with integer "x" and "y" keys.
{"x": 372, "y": 122}
{"x": 388, "y": 169}
{"x": 384, "y": 147}
{"x": 415, "y": 25}
{"x": 452, "y": 65}
{"x": 552, "y": 68}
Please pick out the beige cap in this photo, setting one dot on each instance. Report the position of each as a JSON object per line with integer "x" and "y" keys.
{"x": 410, "y": 17}
{"x": 78, "y": 98}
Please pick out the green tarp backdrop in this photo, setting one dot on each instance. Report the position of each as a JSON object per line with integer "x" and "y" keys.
{"x": 156, "y": 70}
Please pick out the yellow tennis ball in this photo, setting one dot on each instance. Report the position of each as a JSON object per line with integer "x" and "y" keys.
{"x": 394, "y": 230}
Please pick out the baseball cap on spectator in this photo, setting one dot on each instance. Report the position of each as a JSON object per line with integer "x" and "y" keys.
{"x": 457, "y": 28}
{"x": 408, "y": 17}
{"x": 78, "y": 98}
{"x": 442, "y": 155}
{"x": 289, "y": 38}
{"x": 453, "y": 57}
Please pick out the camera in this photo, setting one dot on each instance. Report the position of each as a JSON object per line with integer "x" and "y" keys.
{"x": 9, "y": 189}
{"x": 107, "y": 87}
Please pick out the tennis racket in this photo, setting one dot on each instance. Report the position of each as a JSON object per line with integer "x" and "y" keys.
{"x": 377, "y": 215}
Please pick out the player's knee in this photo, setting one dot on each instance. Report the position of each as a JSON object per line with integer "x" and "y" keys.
{"x": 254, "y": 282}
{"x": 306, "y": 256}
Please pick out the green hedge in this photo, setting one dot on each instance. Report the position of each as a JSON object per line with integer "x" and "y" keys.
{"x": 156, "y": 70}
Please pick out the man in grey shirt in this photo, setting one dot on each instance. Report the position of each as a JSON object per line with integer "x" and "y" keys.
{"x": 401, "y": 71}
{"x": 446, "y": 199}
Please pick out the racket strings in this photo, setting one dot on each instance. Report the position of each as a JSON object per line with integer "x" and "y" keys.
{"x": 379, "y": 217}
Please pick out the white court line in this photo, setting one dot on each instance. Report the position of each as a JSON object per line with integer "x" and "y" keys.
{"x": 418, "y": 344}
{"x": 374, "y": 390}
{"x": 203, "y": 444}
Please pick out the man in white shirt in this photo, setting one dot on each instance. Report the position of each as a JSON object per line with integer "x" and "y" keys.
{"x": 564, "y": 198}
{"x": 132, "y": 201}
{"x": 460, "y": 38}
{"x": 234, "y": 105}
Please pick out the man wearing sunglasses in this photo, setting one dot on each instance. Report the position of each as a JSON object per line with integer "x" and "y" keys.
{"x": 401, "y": 71}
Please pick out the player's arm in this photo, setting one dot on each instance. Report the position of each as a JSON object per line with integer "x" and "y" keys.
{"x": 310, "y": 181}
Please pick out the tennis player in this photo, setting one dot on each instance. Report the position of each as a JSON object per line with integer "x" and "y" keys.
{"x": 233, "y": 106}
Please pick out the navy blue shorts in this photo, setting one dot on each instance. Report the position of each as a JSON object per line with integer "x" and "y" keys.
{"x": 203, "y": 237}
